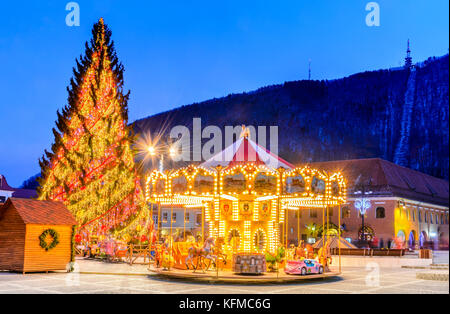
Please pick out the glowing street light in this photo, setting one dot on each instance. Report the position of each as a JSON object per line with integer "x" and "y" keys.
{"x": 172, "y": 152}
{"x": 151, "y": 150}
{"x": 362, "y": 205}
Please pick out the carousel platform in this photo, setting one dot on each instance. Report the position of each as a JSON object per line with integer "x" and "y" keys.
{"x": 227, "y": 276}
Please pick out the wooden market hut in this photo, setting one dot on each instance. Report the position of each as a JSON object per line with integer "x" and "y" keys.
{"x": 35, "y": 236}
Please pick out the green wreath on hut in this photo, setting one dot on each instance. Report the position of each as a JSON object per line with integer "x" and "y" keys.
{"x": 43, "y": 239}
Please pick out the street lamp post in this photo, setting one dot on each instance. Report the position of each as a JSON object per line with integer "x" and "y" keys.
{"x": 152, "y": 151}
{"x": 362, "y": 205}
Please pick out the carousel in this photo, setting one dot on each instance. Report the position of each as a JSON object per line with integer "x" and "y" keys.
{"x": 245, "y": 194}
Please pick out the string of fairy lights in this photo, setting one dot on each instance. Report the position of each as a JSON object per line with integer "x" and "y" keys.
{"x": 248, "y": 210}
{"x": 91, "y": 167}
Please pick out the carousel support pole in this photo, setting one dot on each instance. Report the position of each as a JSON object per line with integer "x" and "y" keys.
{"x": 203, "y": 224}
{"x": 287, "y": 227}
{"x": 171, "y": 230}
{"x": 219, "y": 171}
{"x": 218, "y": 233}
{"x": 323, "y": 231}
{"x": 278, "y": 240}
{"x": 328, "y": 222}
{"x": 328, "y": 232}
{"x": 280, "y": 173}
{"x": 339, "y": 237}
{"x": 184, "y": 225}
{"x": 150, "y": 237}
{"x": 217, "y": 265}
{"x": 298, "y": 227}
{"x": 158, "y": 231}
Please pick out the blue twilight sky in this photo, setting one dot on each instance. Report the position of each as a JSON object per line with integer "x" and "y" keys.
{"x": 179, "y": 52}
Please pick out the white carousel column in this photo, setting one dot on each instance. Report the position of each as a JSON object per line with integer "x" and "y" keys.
{"x": 235, "y": 214}
{"x": 274, "y": 227}
{"x": 247, "y": 236}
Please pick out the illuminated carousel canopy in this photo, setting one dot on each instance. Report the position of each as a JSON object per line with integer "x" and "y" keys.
{"x": 245, "y": 151}
{"x": 245, "y": 192}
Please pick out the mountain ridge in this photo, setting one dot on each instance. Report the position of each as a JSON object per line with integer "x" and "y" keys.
{"x": 381, "y": 113}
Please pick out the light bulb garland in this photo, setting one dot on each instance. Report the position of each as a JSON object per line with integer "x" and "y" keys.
{"x": 91, "y": 167}
{"x": 320, "y": 189}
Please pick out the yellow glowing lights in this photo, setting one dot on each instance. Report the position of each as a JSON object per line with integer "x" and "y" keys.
{"x": 91, "y": 167}
{"x": 151, "y": 150}
{"x": 222, "y": 228}
{"x": 256, "y": 211}
{"x": 207, "y": 212}
{"x": 260, "y": 238}
{"x": 172, "y": 152}
{"x": 221, "y": 207}
{"x": 235, "y": 215}
{"x": 247, "y": 236}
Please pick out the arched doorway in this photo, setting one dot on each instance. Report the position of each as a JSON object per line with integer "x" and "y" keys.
{"x": 412, "y": 240}
{"x": 401, "y": 236}
{"x": 259, "y": 240}
{"x": 234, "y": 240}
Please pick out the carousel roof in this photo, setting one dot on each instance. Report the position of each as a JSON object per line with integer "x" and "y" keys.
{"x": 334, "y": 243}
{"x": 245, "y": 151}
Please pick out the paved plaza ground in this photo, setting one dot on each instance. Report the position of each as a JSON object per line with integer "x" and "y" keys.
{"x": 139, "y": 281}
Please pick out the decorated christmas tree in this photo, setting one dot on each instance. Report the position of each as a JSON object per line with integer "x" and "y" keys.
{"x": 91, "y": 164}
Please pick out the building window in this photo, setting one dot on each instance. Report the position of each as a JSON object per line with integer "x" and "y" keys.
{"x": 437, "y": 218}
{"x": 426, "y": 216}
{"x": 199, "y": 219}
{"x": 420, "y": 216}
{"x": 187, "y": 218}
{"x": 165, "y": 217}
{"x": 381, "y": 213}
{"x": 155, "y": 219}
{"x": 330, "y": 212}
{"x": 174, "y": 217}
{"x": 345, "y": 212}
{"x": 313, "y": 213}
{"x": 442, "y": 219}
{"x": 413, "y": 214}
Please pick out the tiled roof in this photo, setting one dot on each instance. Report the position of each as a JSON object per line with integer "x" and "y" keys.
{"x": 4, "y": 185}
{"x": 18, "y": 193}
{"x": 41, "y": 212}
{"x": 387, "y": 178}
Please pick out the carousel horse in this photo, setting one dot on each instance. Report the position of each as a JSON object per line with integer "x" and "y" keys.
{"x": 193, "y": 252}
{"x": 201, "y": 254}
{"x": 300, "y": 252}
{"x": 219, "y": 252}
{"x": 324, "y": 255}
{"x": 290, "y": 253}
